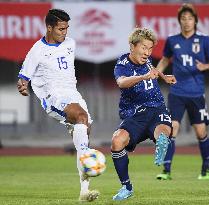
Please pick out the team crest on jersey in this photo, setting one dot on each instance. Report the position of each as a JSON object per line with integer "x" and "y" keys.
{"x": 196, "y": 47}
{"x": 70, "y": 50}
{"x": 196, "y": 40}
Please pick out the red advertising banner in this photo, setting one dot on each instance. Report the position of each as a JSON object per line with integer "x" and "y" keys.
{"x": 162, "y": 19}
{"x": 21, "y": 24}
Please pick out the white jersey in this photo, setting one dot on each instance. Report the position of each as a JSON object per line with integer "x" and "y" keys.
{"x": 50, "y": 68}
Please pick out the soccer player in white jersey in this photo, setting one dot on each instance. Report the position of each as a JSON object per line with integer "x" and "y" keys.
{"x": 49, "y": 66}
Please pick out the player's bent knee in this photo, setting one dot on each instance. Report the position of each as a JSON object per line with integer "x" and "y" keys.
{"x": 201, "y": 135}
{"x": 82, "y": 118}
{"x": 119, "y": 141}
{"x": 200, "y": 130}
{"x": 117, "y": 144}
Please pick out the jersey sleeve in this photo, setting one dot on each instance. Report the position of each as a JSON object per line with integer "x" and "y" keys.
{"x": 167, "y": 52}
{"x": 206, "y": 44}
{"x": 29, "y": 65}
{"x": 120, "y": 70}
{"x": 73, "y": 45}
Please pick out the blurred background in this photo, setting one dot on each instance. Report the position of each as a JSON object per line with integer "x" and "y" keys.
{"x": 101, "y": 30}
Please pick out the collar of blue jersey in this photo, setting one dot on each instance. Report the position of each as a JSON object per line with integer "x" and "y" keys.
{"x": 131, "y": 60}
{"x": 194, "y": 34}
{"x": 49, "y": 44}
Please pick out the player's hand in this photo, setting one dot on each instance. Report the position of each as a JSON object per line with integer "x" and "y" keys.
{"x": 170, "y": 79}
{"x": 201, "y": 66}
{"x": 153, "y": 74}
{"x": 22, "y": 86}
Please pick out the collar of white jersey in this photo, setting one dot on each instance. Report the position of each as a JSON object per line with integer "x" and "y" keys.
{"x": 49, "y": 44}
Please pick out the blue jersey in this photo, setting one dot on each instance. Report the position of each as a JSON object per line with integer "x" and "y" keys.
{"x": 184, "y": 53}
{"x": 146, "y": 93}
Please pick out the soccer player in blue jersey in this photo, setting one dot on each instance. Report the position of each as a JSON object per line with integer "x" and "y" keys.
{"x": 189, "y": 51}
{"x": 141, "y": 108}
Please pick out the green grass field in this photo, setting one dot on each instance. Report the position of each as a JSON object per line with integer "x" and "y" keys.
{"x": 53, "y": 180}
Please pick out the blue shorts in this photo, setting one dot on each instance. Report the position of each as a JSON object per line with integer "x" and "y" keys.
{"x": 195, "y": 107}
{"x": 141, "y": 126}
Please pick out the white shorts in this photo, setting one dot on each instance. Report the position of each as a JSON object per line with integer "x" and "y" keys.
{"x": 54, "y": 105}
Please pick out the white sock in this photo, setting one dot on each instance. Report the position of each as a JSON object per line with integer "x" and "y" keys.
{"x": 81, "y": 141}
{"x": 84, "y": 183}
{"x": 80, "y": 138}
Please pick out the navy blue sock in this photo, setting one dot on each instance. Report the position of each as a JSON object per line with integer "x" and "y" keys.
{"x": 120, "y": 160}
{"x": 169, "y": 155}
{"x": 204, "y": 150}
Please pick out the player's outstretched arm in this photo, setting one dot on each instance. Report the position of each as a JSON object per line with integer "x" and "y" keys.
{"x": 127, "y": 82}
{"x": 170, "y": 79}
{"x": 22, "y": 86}
{"x": 162, "y": 65}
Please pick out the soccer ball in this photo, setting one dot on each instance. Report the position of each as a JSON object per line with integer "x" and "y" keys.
{"x": 92, "y": 163}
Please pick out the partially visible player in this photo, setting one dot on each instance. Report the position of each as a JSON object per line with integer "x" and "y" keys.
{"x": 49, "y": 65}
{"x": 189, "y": 51}
{"x": 141, "y": 108}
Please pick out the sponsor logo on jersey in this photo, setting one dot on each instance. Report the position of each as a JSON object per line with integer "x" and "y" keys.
{"x": 177, "y": 46}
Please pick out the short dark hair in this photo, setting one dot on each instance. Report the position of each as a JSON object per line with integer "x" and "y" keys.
{"x": 190, "y": 8}
{"x": 55, "y": 15}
